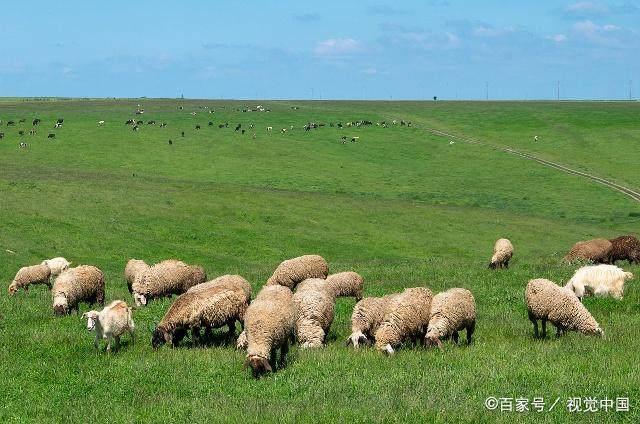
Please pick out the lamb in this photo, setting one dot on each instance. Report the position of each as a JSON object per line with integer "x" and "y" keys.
{"x": 314, "y": 303}
{"x": 84, "y": 283}
{"x": 502, "y": 253}
{"x": 210, "y": 308}
{"x": 110, "y": 323}
{"x": 293, "y": 271}
{"x": 596, "y": 251}
{"x": 367, "y": 316}
{"x": 625, "y": 248}
{"x": 547, "y": 301}
{"x": 346, "y": 284}
{"x": 133, "y": 269}
{"x": 407, "y": 318}
{"x": 35, "y": 274}
{"x": 57, "y": 265}
{"x": 601, "y": 280}
{"x": 269, "y": 324}
{"x": 451, "y": 311}
{"x": 165, "y": 279}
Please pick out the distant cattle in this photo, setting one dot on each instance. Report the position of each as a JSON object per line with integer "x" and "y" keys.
{"x": 135, "y": 128}
{"x": 33, "y": 132}
{"x": 139, "y": 122}
{"x": 221, "y": 126}
{"x": 151, "y": 122}
{"x": 10, "y": 123}
{"x": 58, "y": 125}
{"x": 164, "y": 124}
{"x": 210, "y": 124}
{"x": 129, "y": 122}
{"x": 23, "y": 145}
{"x": 197, "y": 127}
{"x": 36, "y": 122}
{"x": 269, "y": 128}
{"x": 182, "y": 133}
{"x": 100, "y": 123}
{"x": 21, "y": 132}
{"x": 238, "y": 127}
{"x": 242, "y": 131}
{"x": 21, "y": 121}
{"x": 59, "y": 121}
{"x": 1, "y": 135}
{"x": 51, "y": 135}
{"x": 170, "y": 142}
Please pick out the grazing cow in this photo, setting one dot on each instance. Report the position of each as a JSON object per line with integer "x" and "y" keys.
{"x": 535, "y": 138}
{"x": 130, "y": 122}
{"x": 151, "y": 122}
{"x": 10, "y": 123}
{"x": 180, "y": 108}
{"x": 57, "y": 125}
{"x": 242, "y": 131}
{"x": 210, "y": 124}
{"x": 197, "y": 127}
{"x": 221, "y": 126}
{"x": 344, "y": 139}
{"x": 269, "y": 128}
{"x": 1, "y": 135}
{"x": 100, "y": 123}
{"x": 164, "y": 124}
{"x": 139, "y": 122}
{"x": 238, "y": 127}
{"x": 251, "y": 126}
{"x": 354, "y": 139}
{"x": 226, "y": 125}
{"x": 36, "y": 122}
{"x": 51, "y": 135}
{"x": 33, "y": 132}
{"x": 170, "y": 142}
{"x": 59, "y": 121}
{"x": 21, "y": 121}
{"x": 135, "y": 128}
{"x": 23, "y": 145}
{"x": 193, "y": 113}
{"x": 139, "y": 111}
{"x": 284, "y": 130}
{"x": 21, "y": 132}
{"x": 182, "y": 133}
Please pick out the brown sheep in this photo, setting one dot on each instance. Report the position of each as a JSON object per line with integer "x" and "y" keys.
{"x": 596, "y": 251}
{"x": 625, "y": 248}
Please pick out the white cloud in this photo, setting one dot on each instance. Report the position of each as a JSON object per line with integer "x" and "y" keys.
{"x": 558, "y": 38}
{"x": 487, "y": 31}
{"x": 611, "y": 28}
{"x": 337, "y": 47}
{"x": 586, "y": 8}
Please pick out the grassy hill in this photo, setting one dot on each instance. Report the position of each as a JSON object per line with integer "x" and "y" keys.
{"x": 401, "y": 206}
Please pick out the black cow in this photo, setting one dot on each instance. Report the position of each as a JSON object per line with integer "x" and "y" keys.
{"x": 197, "y": 127}
{"x": 170, "y": 142}
{"x": 210, "y": 124}
{"x": 183, "y": 133}
{"x": 238, "y": 127}
{"x": 51, "y": 135}
{"x": 36, "y": 122}
{"x": 129, "y": 122}
{"x": 60, "y": 121}
{"x": 21, "y": 132}
{"x": 221, "y": 126}
{"x": 10, "y": 123}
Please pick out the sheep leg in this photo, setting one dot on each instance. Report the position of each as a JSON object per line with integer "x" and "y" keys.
{"x": 455, "y": 336}
{"x": 232, "y": 329}
{"x": 195, "y": 336}
{"x": 284, "y": 349}
{"x": 96, "y": 342}
{"x": 117, "y": 343}
{"x": 470, "y": 329}
{"x": 535, "y": 325}
{"x": 544, "y": 328}
{"x": 109, "y": 344}
{"x": 273, "y": 357}
{"x": 558, "y": 331}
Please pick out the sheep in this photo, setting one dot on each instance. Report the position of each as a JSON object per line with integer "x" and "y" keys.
{"x": 451, "y": 311}
{"x": 367, "y": 316}
{"x": 547, "y": 301}
{"x": 84, "y": 283}
{"x": 165, "y": 279}
{"x": 57, "y": 265}
{"x": 111, "y": 323}
{"x": 314, "y": 302}
{"x": 211, "y": 307}
{"x": 502, "y": 253}
{"x": 292, "y": 271}
{"x": 407, "y": 318}
{"x": 625, "y": 248}
{"x": 269, "y": 325}
{"x": 346, "y": 284}
{"x": 596, "y": 251}
{"x": 133, "y": 269}
{"x": 100, "y": 123}
{"x": 233, "y": 282}
{"x": 269, "y": 128}
{"x": 35, "y": 274}
{"x": 601, "y": 280}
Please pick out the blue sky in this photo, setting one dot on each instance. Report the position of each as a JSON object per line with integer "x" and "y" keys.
{"x": 331, "y": 49}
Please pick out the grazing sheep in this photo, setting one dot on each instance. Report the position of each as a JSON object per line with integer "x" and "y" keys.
{"x": 110, "y": 323}
{"x": 346, "y": 284}
{"x": 596, "y": 251}
{"x": 292, "y": 271}
{"x": 57, "y": 265}
{"x": 314, "y": 302}
{"x": 407, "y": 318}
{"x": 84, "y": 283}
{"x": 367, "y": 316}
{"x": 625, "y": 248}
{"x": 208, "y": 308}
{"x": 547, "y": 301}
{"x": 451, "y": 311}
{"x": 132, "y": 270}
{"x": 269, "y": 325}
{"x": 35, "y": 274}
{"x": 229, "y": 282}
{"x": 600, "y": 280}
{"x": 502, "y": 253}
{"x": 165, "y": 279}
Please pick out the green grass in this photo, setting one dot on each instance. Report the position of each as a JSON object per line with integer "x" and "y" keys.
{"x": 401, "y": 207}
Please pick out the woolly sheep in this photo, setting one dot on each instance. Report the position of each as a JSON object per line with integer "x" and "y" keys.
{"x": 625, "y": 248}
{"x": 547, "y": 301}
{"x": 314, "y": 303}
{"x": 293, "y": 271}
{"x": 601, "y": 280}
{"x": 596, "y": 251}
{"x": 347, "y": 283}
{"x": 35, "y": 274}
{"x": 110, "y": 323}
{"x": 367, "y": 316}
{"x": 451, "y": 311}
{"x": 269, "y": 324}
{"x": 133, "y": 269}
{"x": 210, "y": 308}
{"x": 232, "y": 282}
{"x": 57, "y": 265}
{"x": 84, "y": 283}
{"x": 165, "y": 279}
{"x": 502, "y": 253}
{"x": 407, "y": 318}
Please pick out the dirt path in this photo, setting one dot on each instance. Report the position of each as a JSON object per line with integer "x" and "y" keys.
{"x": 635, "y": 195}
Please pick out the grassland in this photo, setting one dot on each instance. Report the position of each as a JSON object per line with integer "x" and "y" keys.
{"x": 401, "y": 207}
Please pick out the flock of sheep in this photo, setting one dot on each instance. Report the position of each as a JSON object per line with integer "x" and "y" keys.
{"x": 297, "y": 302}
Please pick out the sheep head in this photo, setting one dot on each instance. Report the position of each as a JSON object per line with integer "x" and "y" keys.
{"x": 259, "y": 365}
{"x": 92, "y": 319}
{"x": 60, "y": 304}
{"x": 160, "y": 337}
{"x": 13, "y": 288}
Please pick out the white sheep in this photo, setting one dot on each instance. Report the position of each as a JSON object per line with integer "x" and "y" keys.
{"x": 600, "y": 280}
{"x": 111, "y": 323}
{"x": 502, "y": 253}
{"x": 57, "y": 265}
{"x": 451, "y": 311}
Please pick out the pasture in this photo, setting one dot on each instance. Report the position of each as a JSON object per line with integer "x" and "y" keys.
{"x": 400, "y": 206}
